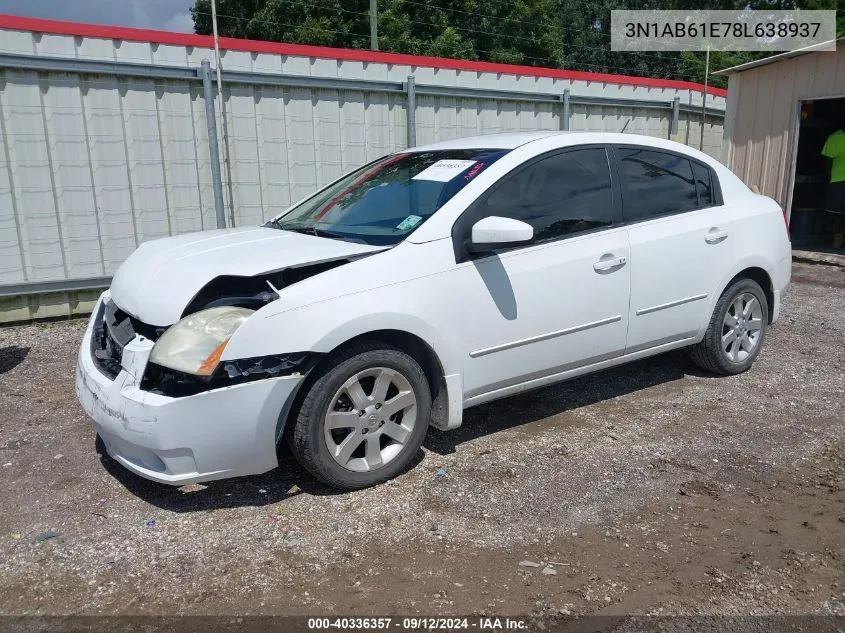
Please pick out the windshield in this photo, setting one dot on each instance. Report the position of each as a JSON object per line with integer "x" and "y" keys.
{"x": 385, "y": 201}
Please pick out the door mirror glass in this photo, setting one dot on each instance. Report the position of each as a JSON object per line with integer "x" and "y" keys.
{"x": 496, "y": 232}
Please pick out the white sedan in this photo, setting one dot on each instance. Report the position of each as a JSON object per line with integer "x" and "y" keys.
{"x": 423, "y": 283}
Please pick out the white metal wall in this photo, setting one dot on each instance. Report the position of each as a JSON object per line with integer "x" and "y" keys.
{"x": 93, "y": 165}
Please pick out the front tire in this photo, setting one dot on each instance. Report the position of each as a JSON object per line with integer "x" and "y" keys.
{"x": 736, "y": 331}
{"x": 364, "y": 418}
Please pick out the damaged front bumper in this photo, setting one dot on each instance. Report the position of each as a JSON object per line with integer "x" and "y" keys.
{"x": 220, "y": 433}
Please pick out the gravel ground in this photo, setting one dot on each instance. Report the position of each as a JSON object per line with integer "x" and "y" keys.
{"x": 651, "y": 488}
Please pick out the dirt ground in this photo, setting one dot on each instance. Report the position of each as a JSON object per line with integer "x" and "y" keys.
{"x": 650, "y": 489}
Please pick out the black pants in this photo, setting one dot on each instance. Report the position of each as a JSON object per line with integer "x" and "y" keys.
{"x": 836, "y": 198}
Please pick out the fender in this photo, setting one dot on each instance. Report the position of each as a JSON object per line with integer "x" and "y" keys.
{"x": 750, "y": 261}
{"x": 419, "y": 308}
{"x": 317, "y": 328}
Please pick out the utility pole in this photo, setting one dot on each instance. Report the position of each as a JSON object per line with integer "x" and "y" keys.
{"x": 374, "y": 25}
{"x": 222, "y": 110}
{"x": 213, "y": 147}
{"x": 704, "y": 99}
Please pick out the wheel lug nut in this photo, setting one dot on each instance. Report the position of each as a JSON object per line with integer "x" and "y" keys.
{"x": 364, "y": 431}
{"x": 361, "y": 413}
{"x": 378, "y": 405}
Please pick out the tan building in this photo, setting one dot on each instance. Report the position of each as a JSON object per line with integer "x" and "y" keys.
{"x": 780, "y": 112}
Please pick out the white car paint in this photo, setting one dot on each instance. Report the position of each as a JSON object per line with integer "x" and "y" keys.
{"x": 496, "y": 325}
{"x": 219, "y": 434}
{"x": 498, "y": 291}
{"x": 156, "y": 282}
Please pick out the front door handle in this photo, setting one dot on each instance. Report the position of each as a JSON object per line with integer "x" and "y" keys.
{"x": 609, "y": 264}
{"x": 715, "y": 235}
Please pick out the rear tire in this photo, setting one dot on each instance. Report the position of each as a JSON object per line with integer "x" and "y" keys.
{"x": 364, "y": 418}
{"x": 736, "y": 332}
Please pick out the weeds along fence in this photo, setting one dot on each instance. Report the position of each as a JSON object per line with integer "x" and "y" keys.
{"x": 111, "y": 137}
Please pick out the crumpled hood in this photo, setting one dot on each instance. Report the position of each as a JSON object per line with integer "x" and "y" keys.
{"x": 161, "y": 277}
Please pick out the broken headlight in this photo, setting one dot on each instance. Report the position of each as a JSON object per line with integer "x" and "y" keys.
{"x": 195, "y": 344}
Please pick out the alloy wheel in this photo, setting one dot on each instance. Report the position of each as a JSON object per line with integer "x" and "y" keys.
{"x": 742, "y": 327}
{"x": 370, "y": 419}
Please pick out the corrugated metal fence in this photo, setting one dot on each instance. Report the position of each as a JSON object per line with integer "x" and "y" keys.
{"x": 105, "y": 143}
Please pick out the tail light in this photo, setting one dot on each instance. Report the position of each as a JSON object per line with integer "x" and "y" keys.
{"x": 785, "y": 220}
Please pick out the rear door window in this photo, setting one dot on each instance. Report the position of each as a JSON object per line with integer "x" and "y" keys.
{"x": 656, "y": 183}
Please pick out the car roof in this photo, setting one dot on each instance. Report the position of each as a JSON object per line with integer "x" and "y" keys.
{"x": 505, "y": 140}
{"x": 512, "y": 140}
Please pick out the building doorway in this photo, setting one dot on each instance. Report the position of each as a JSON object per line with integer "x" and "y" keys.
{"x": 812, "y": 225}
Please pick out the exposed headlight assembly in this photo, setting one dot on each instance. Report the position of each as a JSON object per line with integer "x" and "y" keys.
{"x": 195, "y": 344}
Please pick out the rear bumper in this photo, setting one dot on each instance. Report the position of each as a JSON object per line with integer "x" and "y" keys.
{"x": 220, "y": 433}
{"x": 783, "y": 274}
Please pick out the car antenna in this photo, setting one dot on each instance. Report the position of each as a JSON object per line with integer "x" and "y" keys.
{"x": 272, "y": 287}
{"x": 624, "y": 127}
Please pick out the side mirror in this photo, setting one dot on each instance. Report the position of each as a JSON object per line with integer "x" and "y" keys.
{"x": 496, "y": 232}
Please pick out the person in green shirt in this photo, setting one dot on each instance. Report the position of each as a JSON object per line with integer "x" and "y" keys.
{"x": 834, "y": 148}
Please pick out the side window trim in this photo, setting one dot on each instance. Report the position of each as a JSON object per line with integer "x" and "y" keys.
{"x": 459, "y": 230}
{"x": 714, "y": 181}
{"x": 695, "y": 184}
{"x": 716, "y": 187}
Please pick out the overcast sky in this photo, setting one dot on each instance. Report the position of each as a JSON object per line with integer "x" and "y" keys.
{"x": 168, "y": 15}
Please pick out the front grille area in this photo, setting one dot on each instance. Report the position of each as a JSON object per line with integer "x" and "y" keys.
{"x": 113, "y": 330}
{"x": 106, "y": 349}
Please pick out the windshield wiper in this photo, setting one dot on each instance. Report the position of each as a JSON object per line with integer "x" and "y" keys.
{"x": 322, "y": 233}
{"x": 310, "y": 230}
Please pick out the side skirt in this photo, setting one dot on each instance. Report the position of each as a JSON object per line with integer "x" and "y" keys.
{"x": 566, "y": 374}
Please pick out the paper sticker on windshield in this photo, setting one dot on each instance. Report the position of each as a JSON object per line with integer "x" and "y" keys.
{"x": 444, "y": 170}
{"x": 408, "y": 223}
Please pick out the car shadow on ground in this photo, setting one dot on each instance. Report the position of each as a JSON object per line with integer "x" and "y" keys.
{"x": 276, "y": 486}
{"x": 11, "y": 357}
{"x": 559, "y": 398}
{"x": 289, "y": 479}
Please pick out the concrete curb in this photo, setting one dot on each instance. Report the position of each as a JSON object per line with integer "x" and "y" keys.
{"x": 815, "y": 257}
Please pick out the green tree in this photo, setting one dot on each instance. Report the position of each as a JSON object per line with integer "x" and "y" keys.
{"x": 835, "y": 5}
{"x": 327, "y": 23}
{"x": 572, "y": 34}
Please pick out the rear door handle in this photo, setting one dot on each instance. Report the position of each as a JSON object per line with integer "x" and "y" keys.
{"x": 609, "y": 264}
{"x": 714, "y": 236}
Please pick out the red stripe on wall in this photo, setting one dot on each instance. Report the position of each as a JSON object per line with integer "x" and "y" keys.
{"x": 254, "y": 46}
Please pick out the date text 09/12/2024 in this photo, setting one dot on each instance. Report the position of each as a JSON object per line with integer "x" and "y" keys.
{"x": 419, "y": 623}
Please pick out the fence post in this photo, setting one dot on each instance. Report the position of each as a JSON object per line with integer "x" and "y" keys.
{"x": 213, "y": 147}
{"x": 410, "y": 89}
{"x": 676, "y": 115}
{"x": 564, "y": 119}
